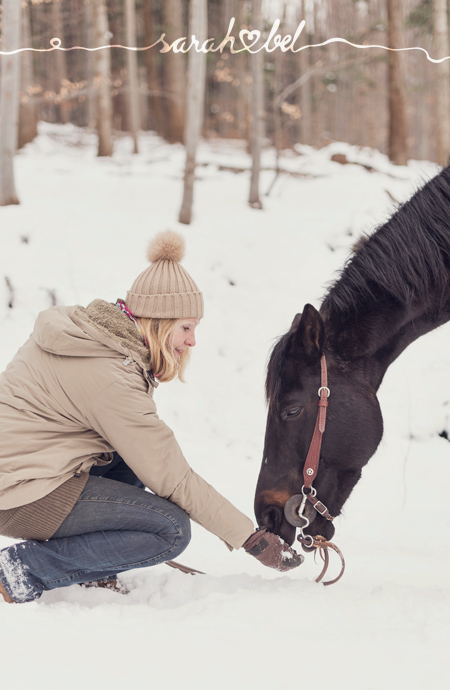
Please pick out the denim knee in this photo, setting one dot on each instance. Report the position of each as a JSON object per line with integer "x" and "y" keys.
{"x": 183, "y": 536}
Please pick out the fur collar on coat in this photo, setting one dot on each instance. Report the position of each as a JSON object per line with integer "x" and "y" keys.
{"x": 112, "y": 323}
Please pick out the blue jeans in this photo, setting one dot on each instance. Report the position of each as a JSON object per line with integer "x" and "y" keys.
{"x": 114, "y": 526}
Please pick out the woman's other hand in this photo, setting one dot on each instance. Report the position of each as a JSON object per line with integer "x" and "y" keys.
{"x": 271, "y": 550}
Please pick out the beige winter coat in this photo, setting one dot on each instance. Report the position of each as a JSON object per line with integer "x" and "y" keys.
{"x": 81, "y": 388}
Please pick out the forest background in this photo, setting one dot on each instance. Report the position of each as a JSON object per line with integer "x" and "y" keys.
{"x": 396, "y": 102}
{"x": 270, "y": 131}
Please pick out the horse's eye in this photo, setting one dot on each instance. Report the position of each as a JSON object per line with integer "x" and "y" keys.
{"x": 293, "y": 412}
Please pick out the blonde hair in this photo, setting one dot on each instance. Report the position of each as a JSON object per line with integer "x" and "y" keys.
{"x": 157, "y": 333}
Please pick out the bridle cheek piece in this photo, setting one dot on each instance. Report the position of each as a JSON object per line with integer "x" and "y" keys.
{"x": 295, "y": 506}
{"x": 294, "y": 509}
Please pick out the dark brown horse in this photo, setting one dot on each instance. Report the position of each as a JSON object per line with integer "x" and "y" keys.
{"x": 395, "y": 288}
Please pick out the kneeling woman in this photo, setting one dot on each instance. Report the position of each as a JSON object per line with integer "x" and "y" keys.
{"x": 80, "y": 440}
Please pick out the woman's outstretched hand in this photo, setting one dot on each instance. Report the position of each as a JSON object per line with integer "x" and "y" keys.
{"x": 271, "y": 550}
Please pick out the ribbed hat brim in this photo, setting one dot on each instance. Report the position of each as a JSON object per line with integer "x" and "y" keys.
{"x": 185, "y": 305}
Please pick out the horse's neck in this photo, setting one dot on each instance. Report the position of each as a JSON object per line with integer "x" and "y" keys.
{"x": 376, "y": 338}
{"x": 403, "y": 337}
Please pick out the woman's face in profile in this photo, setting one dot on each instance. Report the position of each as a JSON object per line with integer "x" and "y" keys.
{"x": 183, "y": 336}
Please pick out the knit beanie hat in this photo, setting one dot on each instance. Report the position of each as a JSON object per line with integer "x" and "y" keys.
{"x": 165, "y": 290}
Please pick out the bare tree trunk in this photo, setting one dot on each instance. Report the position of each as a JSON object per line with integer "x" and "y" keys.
{"x": 153, "y": 80}
{"x": 59, "y": 65}
{"x": 277, "y": 99}
{"x": 102, "y": 80}
{"x": 144, "y": 113}
{"x": 257, "y": 110}
{"x": 174, "y": 65}
{"x": 422, "y": 120}
{"x": 397, "y": 149}
{"x": 242, "y": 75}
{"x": 195, "y": 100}
{"x": 314, "y": 94}
{"x": 27, "y": 108}
{"x": 90, "y": 59}
{"x": 132, "y": 68}
{"x": 442, "y": 81}
{"x": 277, "y": 89}
{"x": 305, "y": 96}
{"x": 9, "y": 100}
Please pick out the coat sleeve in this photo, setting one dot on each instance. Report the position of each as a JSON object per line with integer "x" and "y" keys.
{"x": 127, "y": 419}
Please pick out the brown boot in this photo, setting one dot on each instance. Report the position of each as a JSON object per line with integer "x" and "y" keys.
{"x": 5, "y": 595}
{"x": 106, "y": 584}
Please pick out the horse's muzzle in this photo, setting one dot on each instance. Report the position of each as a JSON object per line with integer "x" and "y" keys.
{"x": 273, "y": 518}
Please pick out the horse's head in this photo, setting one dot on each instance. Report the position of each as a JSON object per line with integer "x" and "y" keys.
{"x": 353, "y": 428}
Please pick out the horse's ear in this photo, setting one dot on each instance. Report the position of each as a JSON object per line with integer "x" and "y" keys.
{"x": 295, "y": 322}
{"x": 309, "y": 332}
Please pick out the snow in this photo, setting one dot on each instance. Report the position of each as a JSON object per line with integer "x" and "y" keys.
{"x": 15, "y": 571}
{"x": 80, "y": 233}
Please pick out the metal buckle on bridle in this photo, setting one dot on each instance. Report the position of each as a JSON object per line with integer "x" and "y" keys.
{"x": 323, "y": 388}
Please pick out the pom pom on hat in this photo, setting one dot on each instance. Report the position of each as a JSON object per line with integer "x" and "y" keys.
{"x": 165, "y": 290}
{"x": 166, "y": 246}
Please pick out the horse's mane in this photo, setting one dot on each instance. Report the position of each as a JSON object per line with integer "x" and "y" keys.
{"x": 404, "y": 259}
{"x": 275, "y": 368}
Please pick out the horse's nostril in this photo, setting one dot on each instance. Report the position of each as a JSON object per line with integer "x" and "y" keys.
{"x": 272, "y": 518}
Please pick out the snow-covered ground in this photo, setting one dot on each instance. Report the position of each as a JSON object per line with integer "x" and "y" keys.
{"x": 81, "y": 232}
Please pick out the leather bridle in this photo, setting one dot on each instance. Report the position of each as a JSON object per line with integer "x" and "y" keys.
{"x": 313, "y": 457}
{"x": 294, "y": 509}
